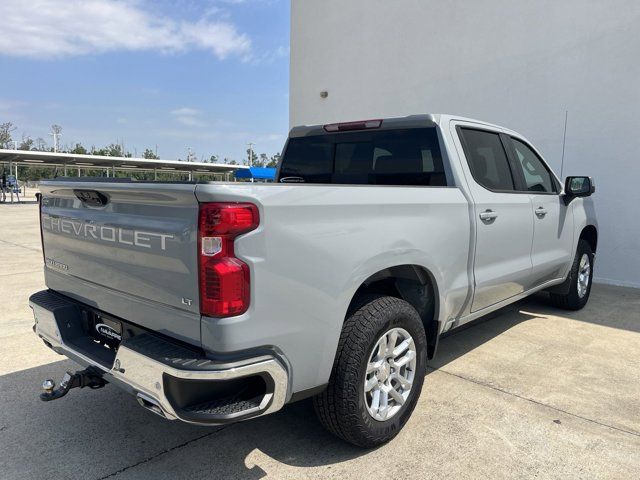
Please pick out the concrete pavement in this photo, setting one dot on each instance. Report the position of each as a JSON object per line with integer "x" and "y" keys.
{"x": 531, "y": 392}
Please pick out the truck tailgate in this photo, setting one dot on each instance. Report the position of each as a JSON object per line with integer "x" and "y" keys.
{"x": 129, "y": 249}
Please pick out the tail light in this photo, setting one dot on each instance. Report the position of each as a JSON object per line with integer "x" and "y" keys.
{"x": 348, "y": 126}
{"x": 224, "y": 279}
{"x": 39, "y": 199}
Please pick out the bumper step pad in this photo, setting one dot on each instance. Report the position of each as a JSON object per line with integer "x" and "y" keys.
{"x": 226, "y": 406}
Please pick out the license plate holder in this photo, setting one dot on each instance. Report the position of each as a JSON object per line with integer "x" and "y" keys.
{"x": 107, "y": 330}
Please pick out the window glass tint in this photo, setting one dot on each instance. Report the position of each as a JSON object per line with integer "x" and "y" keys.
{"x": 381, "y": 157}
{"x": 308, "y": 159}
{"x": 536, "y": 175}
{"x": 488, "y": 160}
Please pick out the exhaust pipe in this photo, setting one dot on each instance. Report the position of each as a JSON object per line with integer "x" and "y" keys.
{"x": 150, "y": 404}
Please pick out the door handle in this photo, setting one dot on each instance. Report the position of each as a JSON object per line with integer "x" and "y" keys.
{"x": 541, "y": 212}
{"x": 488, "y": 215}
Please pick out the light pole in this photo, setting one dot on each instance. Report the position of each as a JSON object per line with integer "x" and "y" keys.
{"x": 191, "y": 157}
{"x": 250, "y": 145}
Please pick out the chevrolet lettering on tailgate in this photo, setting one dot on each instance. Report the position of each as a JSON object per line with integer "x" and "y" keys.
{"x": 77, "y": 228}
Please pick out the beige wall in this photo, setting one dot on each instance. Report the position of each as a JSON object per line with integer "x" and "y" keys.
{"x": 521, "y": 64}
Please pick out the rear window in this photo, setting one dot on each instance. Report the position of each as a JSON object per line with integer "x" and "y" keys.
{"x": 381, "y": 157}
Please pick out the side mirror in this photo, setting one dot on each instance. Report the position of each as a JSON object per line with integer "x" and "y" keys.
{"x": 578, "y": 187}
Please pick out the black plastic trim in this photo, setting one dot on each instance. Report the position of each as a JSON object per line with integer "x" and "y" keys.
{"x": 309, "y": 392}
{"x": 193, "y": 410}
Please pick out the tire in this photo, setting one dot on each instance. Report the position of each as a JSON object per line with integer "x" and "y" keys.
{"x": 577, "y": 294}
{"x": 344, "y": 407}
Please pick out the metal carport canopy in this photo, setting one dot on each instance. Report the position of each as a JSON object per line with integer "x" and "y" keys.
{"x": 72, "y": 160}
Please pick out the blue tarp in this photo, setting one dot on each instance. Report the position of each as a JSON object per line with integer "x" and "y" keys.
{"x": 257, "y": 173}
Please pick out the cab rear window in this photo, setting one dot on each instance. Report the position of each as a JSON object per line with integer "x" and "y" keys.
{"x": 381, "y": 157}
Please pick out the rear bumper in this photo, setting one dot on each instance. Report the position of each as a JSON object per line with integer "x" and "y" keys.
{"x": 167, "y": 378}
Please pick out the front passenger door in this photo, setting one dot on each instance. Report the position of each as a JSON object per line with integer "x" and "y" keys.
{"x": 552, "y": 246}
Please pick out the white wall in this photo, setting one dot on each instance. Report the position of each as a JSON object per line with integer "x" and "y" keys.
{"x": 520, "y": 64}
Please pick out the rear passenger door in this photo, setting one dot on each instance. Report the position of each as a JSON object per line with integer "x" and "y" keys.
{"x": 552, "y": 245}
{"x": 504, "y": 232}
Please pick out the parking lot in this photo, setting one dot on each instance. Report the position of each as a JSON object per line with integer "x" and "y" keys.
{"x": 530, "y": 392}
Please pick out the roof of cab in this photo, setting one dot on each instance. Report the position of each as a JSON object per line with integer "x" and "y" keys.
{"x": 410, "y": 121}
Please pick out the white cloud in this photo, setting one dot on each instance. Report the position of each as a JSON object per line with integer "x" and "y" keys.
{"x": 188, "y": 116}
{"x": 185, "y": 111}
{"x": 190, "y": 121}
{"x": 62, "y": 28}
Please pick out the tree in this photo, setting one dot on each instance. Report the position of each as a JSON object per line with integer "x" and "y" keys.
{"x": 262, "y": 160}
{"x": 79, "y": 149}
{"x": 5, "y": 134}
{"x": 274, "y": 160}
{"x": 251, "y": 157}
{"x": 150, "y": 154}
{"x": 111, "y": 150}
{"x": 40, "y": 145}
{"x": 213, "y": 159}
{"x": 27, "y": 143}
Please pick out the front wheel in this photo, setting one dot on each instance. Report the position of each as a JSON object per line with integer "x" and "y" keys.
{"x": 377, "y": 375}
{"x": 580, "y": 279}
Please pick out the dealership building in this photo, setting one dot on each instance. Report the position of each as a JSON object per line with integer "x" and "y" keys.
{"x": 564, "y": 74}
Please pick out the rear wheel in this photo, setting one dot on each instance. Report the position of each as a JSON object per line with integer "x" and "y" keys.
{"x": 377, "y": 374}
{"x": 580, "y": 279}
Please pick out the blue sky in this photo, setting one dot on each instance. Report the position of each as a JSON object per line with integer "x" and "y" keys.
{"x": 210, "y": 75}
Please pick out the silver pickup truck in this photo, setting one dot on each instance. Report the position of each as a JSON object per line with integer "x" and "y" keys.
{"x": 218, "y": 302}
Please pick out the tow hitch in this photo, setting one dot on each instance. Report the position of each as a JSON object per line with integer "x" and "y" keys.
{"x": 89, "y": 377}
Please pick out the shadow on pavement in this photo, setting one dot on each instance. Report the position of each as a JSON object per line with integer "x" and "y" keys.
{"x": 613, "y": 307}
{"x": 474, "y": 334}
{"x": 608, "y": 306}
{"x": 98, "y": 433}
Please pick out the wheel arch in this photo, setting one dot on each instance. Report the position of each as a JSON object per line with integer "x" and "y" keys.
{"x": 590, "y": 235}
{"x": 413, "y": 283}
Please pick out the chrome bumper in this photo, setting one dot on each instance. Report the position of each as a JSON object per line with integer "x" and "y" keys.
{"x": 144, "y": 376}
